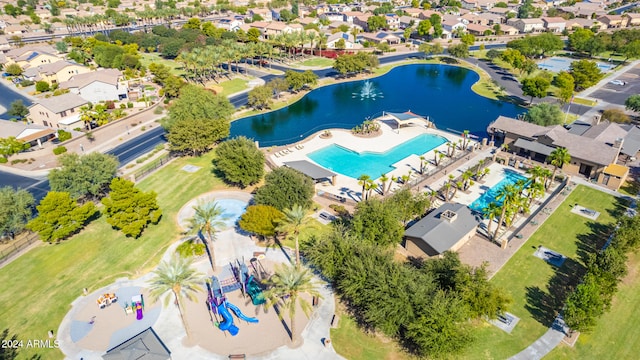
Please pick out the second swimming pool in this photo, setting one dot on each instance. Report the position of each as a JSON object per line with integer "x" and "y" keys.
{"x": 354, "y": 164}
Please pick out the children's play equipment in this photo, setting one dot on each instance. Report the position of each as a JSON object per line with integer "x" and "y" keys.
{"x": 219, "y": 305}
{"x": 106, "y": 300}
{"x": 137, "y": 306}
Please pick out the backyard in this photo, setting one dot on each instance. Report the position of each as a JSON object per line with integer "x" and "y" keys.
{"x": 534, "y": 284}
{"x": 46, "y": 280}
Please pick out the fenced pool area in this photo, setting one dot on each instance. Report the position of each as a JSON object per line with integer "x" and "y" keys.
{"x": 556, "y": 64}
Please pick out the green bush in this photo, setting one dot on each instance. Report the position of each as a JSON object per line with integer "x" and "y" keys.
{"x": 340, "y": 210}
{"x": 3, "y": 160}
{"x": 18, "y": 161}
{"x": 26, "y": 83}
{"x": 129, "y": 105}
{"x": 123, "y": 106}
{"x": 158, "y": 110}
{"x": 63, "y": 135}
{"x": 190, "y": 248}
{"x": 59, "y": 150}
{"x": 42, "y": 86}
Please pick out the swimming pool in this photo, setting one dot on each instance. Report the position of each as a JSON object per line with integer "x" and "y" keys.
{"x": 510, "y": 177}
{"x": 353, "y": 164}
{"x": 557, "y": 64}
{"x": 232, "y": 210}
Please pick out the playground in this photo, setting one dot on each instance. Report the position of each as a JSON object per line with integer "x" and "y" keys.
{"x": 229, "y": 317}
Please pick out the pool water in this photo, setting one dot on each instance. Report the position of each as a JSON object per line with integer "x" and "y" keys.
{"x": 232, "y": 210}
{"x": 510, "y": 177}
{"x": 353, "y": 164}
{"x": 557, "y": 64}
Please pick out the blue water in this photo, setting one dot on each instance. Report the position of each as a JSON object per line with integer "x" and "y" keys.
{"x": 354, "y": 164}
{"x": 557, "y": 64}
{"x": 510, "y": 177}
{"x": 441, "y": 92}
{"x": 232, "y": 210}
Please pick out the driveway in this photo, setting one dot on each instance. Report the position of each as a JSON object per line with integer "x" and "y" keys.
{"x": 617, "y": 94}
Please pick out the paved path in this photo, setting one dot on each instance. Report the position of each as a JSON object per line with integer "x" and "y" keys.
{"x": 545, "y": 343}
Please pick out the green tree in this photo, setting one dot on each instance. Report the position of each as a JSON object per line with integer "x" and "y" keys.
{"x": 615, "y": 115}
{"x": 59, "y": 216}
{"x": 62, "y": 47}
{"x": 565, "y": 83}
{"x": 285, "y": 186}
{"x": 176, "y": 277}
{"x": 207, "y": 220}
{"x": 376, "y": 22}
{"x": 8, "y": 352}
{"x": 261, "y": 220}
{"x": 430, "y": 49}
{"x": 294, "y": 219}
{"x": 13, "y": 69}
{"x": 535, "y": 87}
{"x": 196, "y": 102}
{"x": 493, "y": 54}
{"x": 42, "y": 86}
{"x": 260, "y": 97}
{"x": 424, "y": 26}
{"x": 460, "y": 51}
{"x": 195, "y": 136}
{"x": 585, "y": 73}
{"x": 375, "y": 222}
{"x": 579, "y": 39}
{"x": 558, "y": 158}
{"x": 287, "y": 288}
{"x": 18, "y": 109}
{"x": 584, "y": 305}
{"x": 513, "y": 57}
{"x": 16, "y": 208}
{"x": 507, "y": 195}
{"x": 129, "y": 209}
{"x": 467, "y": 39}
{"x": 84, "y": 175}
{"x": 545, "y": 114}
{"x": 253, "y": 35}
{"x": 631, "y": 50}
{"x": 193, "y": 23}
{"x": 240, "y": 161}
{"x": 10, "y": 146}
{"x": 633, "y": 103}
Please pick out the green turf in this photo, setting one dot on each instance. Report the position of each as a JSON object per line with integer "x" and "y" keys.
{"x": 38, "y": 287}
{"x": 527, "y": 277}
{"x": 148, "y": 58}
{"x": 581, "y": 101}
{"x": 616, "y": 333}
{"x": 233, "y": 86}
{"x": 317, "y": 61}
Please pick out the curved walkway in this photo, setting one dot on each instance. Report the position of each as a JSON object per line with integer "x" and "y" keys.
{"x": 545, "y": 343}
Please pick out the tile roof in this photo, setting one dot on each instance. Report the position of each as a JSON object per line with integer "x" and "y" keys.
{"x": 58, "y": 104}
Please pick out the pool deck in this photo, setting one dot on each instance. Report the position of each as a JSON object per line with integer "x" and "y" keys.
{"x": 347, "y": 186}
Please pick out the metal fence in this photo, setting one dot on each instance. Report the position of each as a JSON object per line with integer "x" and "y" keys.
{"x": 14, "y": 246}
{"x": 152, "y": 166}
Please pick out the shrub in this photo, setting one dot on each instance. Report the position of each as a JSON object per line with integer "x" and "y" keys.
{"x": 59, "y": 92}
{"x": 3, "y": 160}
{"x": 18, "y": 161}
{"x": 26, "y": 83}
{"x": 158, "y": 110}
{"x": 190, "y": 248}
{"x": 110, "y": 105}
{"x": 59, "y": 150}
{"x": 63, "y": 135}
{"x": 615, "y": 115}
{"x": 340, "y": 210}
{"x": 123, "y": 106}
{"x": 42, "y": 86}
{"x": 129, "y": 105}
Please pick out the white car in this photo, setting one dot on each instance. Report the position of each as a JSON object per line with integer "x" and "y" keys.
{"x": 617, "y": 82}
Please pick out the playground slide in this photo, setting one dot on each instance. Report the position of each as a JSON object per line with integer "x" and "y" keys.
{"x": 240, "y": 315}
{"x": 255, "y": 292}
{"x": 139, "y": 314}
{"x": 227, "y": 324}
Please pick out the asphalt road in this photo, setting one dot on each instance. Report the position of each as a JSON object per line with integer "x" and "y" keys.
{"x": 138, "y": 146}
{"x": 617, "y": 94}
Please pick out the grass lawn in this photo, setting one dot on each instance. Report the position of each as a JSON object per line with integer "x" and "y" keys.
{"x": 582, "y": 101}
{"x": 148, "y": 58}
{"x": 528, "y": 279}
{"x": 233, "y": 86}
{"x": 353, "y": 344}
{"x": 616, "y": 333}
{"x": 38, "y": 287}
{"x": 317, "y": 61}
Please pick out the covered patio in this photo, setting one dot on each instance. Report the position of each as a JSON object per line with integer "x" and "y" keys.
{"x": 404, "y": 119}
{"x": 317, "y": 173}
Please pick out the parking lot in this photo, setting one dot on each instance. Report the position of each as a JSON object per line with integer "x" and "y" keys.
{"x": 617, "y": 94}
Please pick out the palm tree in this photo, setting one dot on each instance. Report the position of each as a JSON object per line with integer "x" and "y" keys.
{"x": 535, "y": 190}
{"x": 466, "y": 179}
{"x": 465, "y": 139}
{"x": 294, "y": 219}
{"x": 286, "y": 286}
{"x": 558, "y": 158}
{"x": 422, "y": 163}
{"x": 207, "y": 219}
{"x": 384, "y": 179}
{"x": 479, "y": 168}
{"x": 490, "y": 212}
{"x": 362, "y": 180}
{"x": 178, "y": 277}
{"x": 507, "y": 195}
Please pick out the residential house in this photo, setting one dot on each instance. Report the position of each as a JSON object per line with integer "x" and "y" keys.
{"x": 275, "y": 13}
{"x": 32, "y": 134}
{"x": 413, "y": 12}
{"x": 472, "y": 18}
{"x": 393, "y": 21}
{"x": 16, "y": 29}
{"x": 582, "y": 23}
{"x": 57, "y": 72}
{"x": 452, "y": 23}
{"x": 613, "y": 176}
{"x": 478, "y": 4}
{"x": 479, "y": 30}
{"x": 32, "y": 55}
{"x": 97, "y": 86}
{"x": 265, "y": 14}
{"x": 408, "y": 21}
{"x": 554, "y": 24}
{"x": 613, "y": 21}
{"x": 339, "y": 8}
{"x": 381, "y": 37}
{"x": 332, "y": 16}
{"x": 492, "y": 19}
{"x": 509, "y": 30}
{"x": 446, "y": 228}
{"x": 589, "y": 155}
{"x": 633, "y": 19}
{"x": 501, "y": 11}
{"x": 349, "y": 16}
{"x": 308, "y": 20}
{"x": 527, "y": 25}
{"x": 361, "y": 20}
{"x": 426, "y": 14}
{"x": 229, "y": 23}
{"x": 348, "y": 39}
{"x": 584, "y": 10}
{"x": 4, "y": 44}
{"x": 58, "y": 112}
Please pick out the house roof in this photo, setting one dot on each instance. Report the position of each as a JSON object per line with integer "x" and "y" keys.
{"x": 107, "y": 76}
{"x": 616, "y": 170}
{"x": 605, "y": 132}
{"x": 631, "y": 144}
{"x": 22, "y": 131}
{"x": 514, "y": 126}
{"x": 51, "y": 68}
{"x": 58, "y": 104}
{"x": 533, "y": 146}
{"x": 440, "y": 233}
{"x": 146, "y": 345}
{"x": 310, "y": 169}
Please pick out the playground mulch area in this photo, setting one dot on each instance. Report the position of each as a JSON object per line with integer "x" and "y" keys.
{"x": 252, "y": 339}
{"x": 111, "y": 325}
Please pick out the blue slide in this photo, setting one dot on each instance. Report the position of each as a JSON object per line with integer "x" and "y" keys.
{"x": 240, "y": 315}
{"x": 227, "y": 324}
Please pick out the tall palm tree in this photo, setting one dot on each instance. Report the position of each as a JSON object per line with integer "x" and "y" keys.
{"x": 491, "y": 212}
{"x": 286, "y": 286}
{"x": 294, "y": 219}
{"x": 507, "y": 195}
{"x": 384, "y": 179}
{"x": 422, "y": 164}
{"x": 207, "y": 219}
{"x": 362, "y": 180}
{"x": 178, "y": 277}
{"x": 534, "y": 191}
{"x": 465, "y": 139}
{"x": 558, "y": 158}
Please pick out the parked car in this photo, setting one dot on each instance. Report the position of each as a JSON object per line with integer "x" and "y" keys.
{"x": 617, "y": 82}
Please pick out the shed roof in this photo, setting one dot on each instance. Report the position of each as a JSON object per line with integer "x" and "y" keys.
{"x": 616, "y": 170}
{"x": 310, "y": 169}
{"x": 440, "y": 233}
{"x": 58, "y": 104}
{"x": 533, "y": 146}
{"x": 143, "y": 346}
